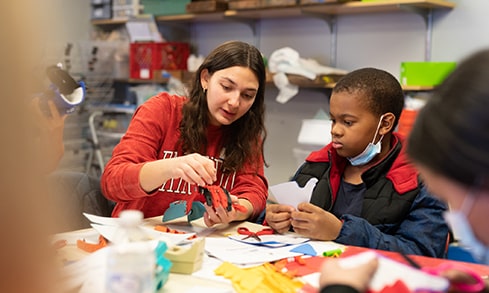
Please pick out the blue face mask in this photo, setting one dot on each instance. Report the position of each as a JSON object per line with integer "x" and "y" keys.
{"x": 370, "y": 151}
{"x": 457, "y": 220}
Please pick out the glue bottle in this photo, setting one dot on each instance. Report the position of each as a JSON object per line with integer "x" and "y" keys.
{"x": 130, "y": 260}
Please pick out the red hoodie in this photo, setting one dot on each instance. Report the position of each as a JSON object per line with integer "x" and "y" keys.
{"x": 153, "y": 135}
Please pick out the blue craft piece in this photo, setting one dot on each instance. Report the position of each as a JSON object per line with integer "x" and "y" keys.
{"x": 197, "y": 211}
{"x": 163, "y": 266}
{"x": 177, "y": 209}
{"x": 306, "y": 249}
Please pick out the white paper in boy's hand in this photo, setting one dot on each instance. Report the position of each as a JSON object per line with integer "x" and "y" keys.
{"x": 290, "y": 193}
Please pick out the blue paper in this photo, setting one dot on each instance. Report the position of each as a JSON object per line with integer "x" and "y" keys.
{"x": 306, "y": 249}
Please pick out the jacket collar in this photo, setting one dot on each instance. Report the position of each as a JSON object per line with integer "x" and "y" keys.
{"x": 400, "y": 172}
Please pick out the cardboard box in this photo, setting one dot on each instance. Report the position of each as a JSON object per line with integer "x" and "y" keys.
{"x": 158, "y": 75}
{"x": 324, "y": 1}
{"x": 206, "y": 6}
{"x": 100, "y": 2}
{"x": 102, "y": 11}
{"x": 254, "y": 4}
{"x": 425, "y": 73}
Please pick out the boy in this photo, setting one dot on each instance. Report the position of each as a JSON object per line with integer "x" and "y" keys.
{"x": 367, "y": 193}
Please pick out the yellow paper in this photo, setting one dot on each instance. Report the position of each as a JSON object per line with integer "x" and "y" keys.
{"x": 258, "y": 279}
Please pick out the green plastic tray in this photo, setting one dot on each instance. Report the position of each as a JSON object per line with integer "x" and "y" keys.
{"x": 425, "y": 73}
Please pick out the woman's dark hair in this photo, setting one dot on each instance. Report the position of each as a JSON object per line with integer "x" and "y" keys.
{"x": 243, "y": 140}
{"x": 381, "y": 89}
{"x": 451, "y": 132}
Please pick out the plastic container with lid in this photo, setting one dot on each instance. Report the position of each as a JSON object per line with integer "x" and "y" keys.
{"x": 131, "y": 260}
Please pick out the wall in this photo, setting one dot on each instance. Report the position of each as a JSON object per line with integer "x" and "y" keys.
{"x": 378, "y": 40}
{"x": 69, "y": 23}
{"x": 74, "y": 23}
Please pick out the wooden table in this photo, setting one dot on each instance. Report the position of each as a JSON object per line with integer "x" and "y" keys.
{"x": 176, "y": 282}
{"x": 183, "y": 282}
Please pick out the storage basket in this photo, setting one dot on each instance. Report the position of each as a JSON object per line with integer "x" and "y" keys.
{"x": 174, "y": 55}
{"x": 146, "y": 57}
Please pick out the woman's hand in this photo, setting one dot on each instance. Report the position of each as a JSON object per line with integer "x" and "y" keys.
{"x": 278, "y": 217}
{"x": 332, "y": 273}
{"x": 221, "y": 215}
{"x": 314, "y": 222}
{"x": 193, "y": 169}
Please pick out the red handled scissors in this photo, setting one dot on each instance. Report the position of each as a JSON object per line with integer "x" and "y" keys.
{"x": 255, "y": 235}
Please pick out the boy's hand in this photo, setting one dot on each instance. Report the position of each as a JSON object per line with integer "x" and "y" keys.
{"x": 278, "y": 217}
{"x": 314, "y": 222}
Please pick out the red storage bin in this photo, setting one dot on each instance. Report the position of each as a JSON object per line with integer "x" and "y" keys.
{"x": 406, "y": 121}
{"x": 174, "y": 55}
{"x": 146, "y": 57}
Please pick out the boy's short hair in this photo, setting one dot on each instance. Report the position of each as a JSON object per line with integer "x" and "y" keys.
{"x": 381, "y": 89}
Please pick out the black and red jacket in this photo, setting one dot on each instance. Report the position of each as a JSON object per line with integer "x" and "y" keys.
{"x": 397, "y": 214}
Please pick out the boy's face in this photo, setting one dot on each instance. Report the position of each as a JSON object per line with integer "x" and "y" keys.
{"x": 354, "y": 125}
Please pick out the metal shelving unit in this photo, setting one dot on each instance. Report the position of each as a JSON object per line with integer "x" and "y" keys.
{"x": 329, "y": 12}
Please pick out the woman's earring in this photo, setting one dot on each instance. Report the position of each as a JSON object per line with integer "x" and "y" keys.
{"x": 205, "y": 92}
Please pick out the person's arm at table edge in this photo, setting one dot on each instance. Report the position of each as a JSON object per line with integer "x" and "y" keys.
{"x": 337, "y": 288}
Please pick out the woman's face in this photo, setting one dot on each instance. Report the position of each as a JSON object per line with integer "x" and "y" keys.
{"x": 454, "y": 194}
{"x": 230, "y": 93}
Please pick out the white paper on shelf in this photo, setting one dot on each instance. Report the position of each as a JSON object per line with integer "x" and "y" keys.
{"x": 143, "y": 29}
{"x": 315, "y": 132}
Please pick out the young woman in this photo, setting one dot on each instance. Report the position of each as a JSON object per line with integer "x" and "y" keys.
{"x": 214, "y": 136}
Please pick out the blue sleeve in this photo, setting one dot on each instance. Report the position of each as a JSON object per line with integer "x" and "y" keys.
{"x": 423, "y": 231}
